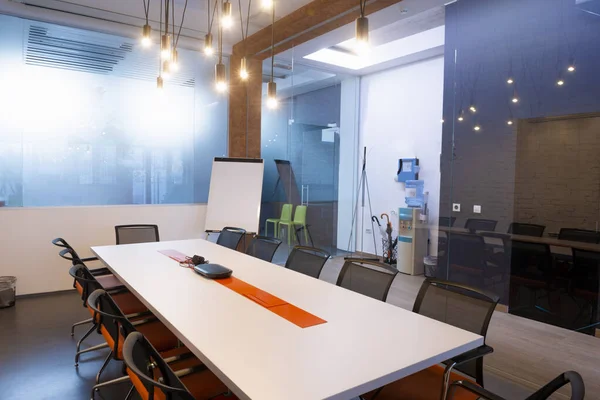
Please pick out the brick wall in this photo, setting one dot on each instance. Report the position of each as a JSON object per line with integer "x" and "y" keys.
{"x": 558, "y": 173}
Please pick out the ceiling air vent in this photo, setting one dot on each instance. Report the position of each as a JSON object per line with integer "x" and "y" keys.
{"x": 73, "y": 49}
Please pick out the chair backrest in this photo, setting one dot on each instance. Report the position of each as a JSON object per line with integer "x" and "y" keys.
{"x": 145, "y": 367}
{"x": 85, "y": 279}
{"x": 131, "y": 234}
{"x": 286, "y": 212}
{"x": 60, "y": 242}
{"x": 447, "y": 221}
{"x": 70, "y": 254}
{"x": 461, "y": 306}
{"x": 307, "y": 260}
{"x": 300, "y": 215}
{"x": 526, "y": 257}
{"x": 586, "y": 273}
{"x": 231, "y": 237}
{"x": 108, "y": 315}
{"x": 370, "y": 278}
{"x": 466, "y": 251}
{"x": 519, "y": 228}
{"x": 263, "y": 247}
{"x": 478, "y": 224}
{"x": 579, "y": 235}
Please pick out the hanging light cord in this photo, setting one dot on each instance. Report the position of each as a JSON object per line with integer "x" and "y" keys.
{"x": 273, "y": 44}
{"x": 245, "y": 35}
{"x": 173, "y": 24}
{"x": 182, "y": 20}
{"x": 221, "y": 35}
{"x": 160, "y": 38}
{"x": 146, "y": 9}
{"x": 363, "y": 5}
{"x": 212, "y": 20}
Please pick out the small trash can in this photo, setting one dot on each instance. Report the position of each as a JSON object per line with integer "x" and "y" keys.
{"x": 8, "y": 291}
{"x": 430, "y": 270}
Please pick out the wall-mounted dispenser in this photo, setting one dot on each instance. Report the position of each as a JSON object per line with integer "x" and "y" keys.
{"x": 408, "y": 169}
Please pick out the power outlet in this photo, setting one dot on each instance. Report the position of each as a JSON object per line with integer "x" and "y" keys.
{"x": 368, "y": 231}
{"x": 477, "y": 209}
{"x": 456, "y": 207}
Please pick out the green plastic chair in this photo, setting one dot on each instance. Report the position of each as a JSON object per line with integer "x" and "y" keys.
{"x": 286, "y": 215}
{"x": 299, "y": 221}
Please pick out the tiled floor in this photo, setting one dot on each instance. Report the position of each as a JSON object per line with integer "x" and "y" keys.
{"x": 36, "y": 351}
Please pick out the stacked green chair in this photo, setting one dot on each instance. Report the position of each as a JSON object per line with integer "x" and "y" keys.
{"x": 298, "y": 222}
{"x": 286, "y": 216}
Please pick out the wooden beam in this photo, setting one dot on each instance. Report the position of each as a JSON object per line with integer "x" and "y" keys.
{"x": 308, "y": 22}
{"x": 245, "y": 102}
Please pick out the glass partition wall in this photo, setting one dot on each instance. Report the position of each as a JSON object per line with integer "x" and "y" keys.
{"x": 83, "y": 122}
{"x": 520, "y": 183}
{"x": 301, "y": 147}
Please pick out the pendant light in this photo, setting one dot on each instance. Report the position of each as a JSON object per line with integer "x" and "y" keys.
{"x": 272, "y": 101}
{"x": 160, "y": 83}
{"x": 209, "y": 50}
{"x": 165, "y": 39}
{"x": 174, "y": 61}
{"x": 147, "y": 29}
{"x": 220, "y": 70}
{"x": 244, "y": 75}
{"x": 461, "y": 116}
{"x": 227, "y": 16}
{"x": 571, "y": 66}
{"x": 266, "y": 4}
{"x": 362, "y": 30}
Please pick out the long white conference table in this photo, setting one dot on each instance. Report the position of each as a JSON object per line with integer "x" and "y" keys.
{"x": 364, "y": 344}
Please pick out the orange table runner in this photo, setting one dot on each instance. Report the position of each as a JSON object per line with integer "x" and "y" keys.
{"x": 293, "y": 314}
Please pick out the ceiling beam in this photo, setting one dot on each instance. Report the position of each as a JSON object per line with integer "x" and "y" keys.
{"x": 306, "y": 23}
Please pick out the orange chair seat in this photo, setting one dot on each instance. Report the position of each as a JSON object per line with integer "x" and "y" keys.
{"x": 203, "y": 385}
{"x": 157, "y": 334}
{"x": 424, "y": 385}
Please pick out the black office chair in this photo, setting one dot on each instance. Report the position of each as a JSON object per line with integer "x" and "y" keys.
{"x": 447, "y": 221}
{"x": 458, "y": 305}
{"x": 132, "y": 234}
{"x": 151, "y": 372}
{"x": 586, "y": 282}
{"x": 115, "y": 326}
{"x": 231, "y": 237}
{"x": 307, "y": 260}
{"x": 468, "y": 261}
{"x": 571, "y": 377}
{"x": 519, "y": 228}
{"x": 370, "y": 278}
{"x": 86, "y": 283}
{"x": 263, "y": 247}
{"x": 531, "y": 267}
{"x": 579, "y": 235}
{"x": 477, "y": 224}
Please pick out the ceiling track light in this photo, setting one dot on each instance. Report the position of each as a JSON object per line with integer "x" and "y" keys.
{"x": 361, "y": 37}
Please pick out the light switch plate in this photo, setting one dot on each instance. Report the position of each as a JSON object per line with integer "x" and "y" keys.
{"x": 456, "y": 207}
{"x": 477, "y": 209}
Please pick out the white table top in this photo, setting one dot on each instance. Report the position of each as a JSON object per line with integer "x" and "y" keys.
{"x": 364, "y": 345}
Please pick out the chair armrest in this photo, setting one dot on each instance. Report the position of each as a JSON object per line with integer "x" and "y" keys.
{"x": 577, "y": 387}
{"x": 180, "y": 357}
{"x": 471, "y": 355}
{"x": 100, "y": 271}
{"x": 475, "y": 389}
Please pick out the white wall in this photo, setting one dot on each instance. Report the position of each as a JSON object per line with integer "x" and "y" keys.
{"x": 400, "y": 117}
{"x": 349, "y": 128}
{"x": 26, "y": 250}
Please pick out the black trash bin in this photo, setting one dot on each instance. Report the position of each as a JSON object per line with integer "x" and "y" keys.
{"x": 8, "y": 291}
